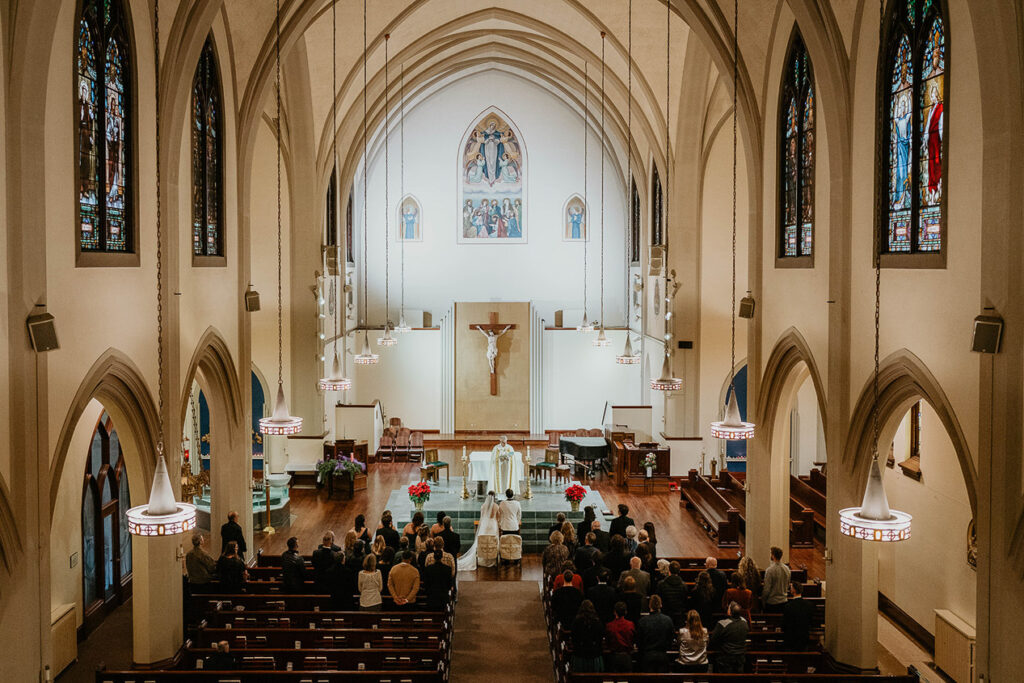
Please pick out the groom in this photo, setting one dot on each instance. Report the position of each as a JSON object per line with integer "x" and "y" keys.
{"x": 510, "y": 514}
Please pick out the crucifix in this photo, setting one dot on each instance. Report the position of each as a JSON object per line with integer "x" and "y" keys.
{"x": 492, "y": 330}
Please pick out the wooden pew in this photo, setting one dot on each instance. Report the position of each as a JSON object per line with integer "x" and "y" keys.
{"x": 801, "y": 525}
{"x": 322, "y": 619}
{"x": 279, "y": 601}
{"x": 336, "y": 659}
{"x": 266, "y": 676}
{"x": 720, "y": 519}
{"x": 807, "y": 496}
{"x": 737, "y": 678}
{"x": 817, "y": 481}
{"x": 283, "y": 638}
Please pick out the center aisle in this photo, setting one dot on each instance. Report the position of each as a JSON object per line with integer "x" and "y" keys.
{"x": 500, "y": 633}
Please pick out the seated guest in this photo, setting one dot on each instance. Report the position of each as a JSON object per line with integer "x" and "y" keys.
{"x": 569, "y": 538}
{"x": 342, "y": 583}
{"x": 557, "y": 526}
{"x": 555, "y": 555}
{"x": 586, "y": 555}
{"x": 438, "y": 581}
{"x": 569, "y": 575}
{"x": 702, "y": 598}
{"x": 751, "y": 579}
{"x": 718, "y": 580}
{"x": 446, "y": 558}
{"x": 404, "y": 582}
{"x": 631, "y": 542}
{"x": 323, "y": 560}
{"x": 603, "y": 596}
{"x": 362, "y": 533}
{"x": 583, "y": 527}
{"x": 616, "y": 560}
{"x": 231, "y": 570}
{"x": 412, "y": 528}
{"x": 631, "y": 596}
{"x": 601, "y": 538}
{"x": 620, "y": 634}
{"x": 438, "y": 526}
{"x": 775, "y": 591}
{"x": 293, "y": 568}
{"x": 452, "y": 541}
{"x": 370, "y": 584}
{"x": 201, "y": 568}
{"x": 387, "y": 530}
{"x": 619, "y": 524}
{"x": 729, "y": 639}
{"x": 566, "y": 600}
{"x": 587, "y": 637}
{"x": 655, "y": 635}
{"x": 693, "y": 646}
{"x": 642, "y": 578}
{"x": 797, "y": 616}
{"x": 221, "y": 659}
{"x": 739, "y": 594}
{"x": 673, "y": 593}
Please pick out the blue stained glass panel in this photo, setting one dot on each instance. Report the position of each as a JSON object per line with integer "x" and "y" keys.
{"x": 88, "y": 134}
{"x": 900, "y": 132}
{"x": 115, "y": 149}
{"x": 797, "y": 155}
{"x": 89, "y": 594}
{"x": 931, "y": 120}
{"x": 124, "y": 502}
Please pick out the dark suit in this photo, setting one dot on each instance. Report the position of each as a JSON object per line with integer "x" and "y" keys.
{"x": 585, "y": 558}
{"x": 729, "y": 638}
{"x": 655, "y": 635}
{"x": 293, "y": 571}
{"x": 797, "y": 616}
{"x": 719, "y": 582}
{"x": 231, "y": 531}
{"x": 565, "y": 602}
{"x": 603, "y": 540}
{"x": 391, "y": 537}
{"x": 323, "y": 558}
{"x": 618, "y": 526}
{"x": 437, "y": 577}
{"x": 452, "y": 542}
{"x": 604, "y": 597}
{"x": 231, "y": 571}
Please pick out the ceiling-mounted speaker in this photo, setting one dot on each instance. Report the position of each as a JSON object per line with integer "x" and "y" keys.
{"x": 42, "y": 332}
{"x": 746, "y": 307}
{"x": 988, "y": 332}
{"x": 252, "y": 301}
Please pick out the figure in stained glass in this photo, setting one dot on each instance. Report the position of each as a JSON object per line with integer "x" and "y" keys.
{"x": 796, "y": 154}
{"x": 206, "y": 156}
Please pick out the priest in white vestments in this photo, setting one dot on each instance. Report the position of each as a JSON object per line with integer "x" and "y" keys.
{"x": 505, "y": 471}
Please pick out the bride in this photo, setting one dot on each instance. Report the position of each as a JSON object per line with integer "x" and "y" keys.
{"x": 488, "y": 527}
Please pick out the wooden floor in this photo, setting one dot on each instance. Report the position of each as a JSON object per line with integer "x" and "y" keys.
{"x": 678, "y": 532}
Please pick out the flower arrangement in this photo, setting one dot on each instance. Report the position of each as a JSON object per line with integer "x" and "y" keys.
{"x": 419, "y": 493}
{"x": 324, "y": 469}
{"x": 575, "y": 493}
{"x": 649, "y": 460}
{"x": 349, "y": 466}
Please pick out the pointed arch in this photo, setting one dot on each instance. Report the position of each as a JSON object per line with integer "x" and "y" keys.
{"x": 212, "y": 358}
{"x": 789, "y": 352}
{"x": 492, "y": 168}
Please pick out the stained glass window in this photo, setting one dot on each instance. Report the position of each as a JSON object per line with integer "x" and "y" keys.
{"x": 105, "y": 135}
{"x": 796, "y": 154}
{"x": 634, "y": 224}
{"x": 914, "y": 126}
{"x": 657, "y": 209}
{"x": 348, "y": 230}
{"x": 206, "y": 156}
{"x": 331, "y": 211}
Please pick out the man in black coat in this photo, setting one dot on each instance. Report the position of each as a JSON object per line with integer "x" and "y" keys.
{"x": 452, "y": 541}
{"x": 388, "y": 533}
{"x": 438, "y": 580}
{"x": 673, "y": 593}
{"x": 602, "y": 539}
{"x": 619, "y": 524}
{"x": 293, "y": 568}
{"x": 232, "y": 531}
{"x": 729, "y": 639}
{"x": 604, "y": 597}
{"x": 566, "y": 601}
{"x": 718, "y": 579}
{"x": 586, "y": 555}
{"x": 797, "y": 616}
{"x": 323, "y": 558}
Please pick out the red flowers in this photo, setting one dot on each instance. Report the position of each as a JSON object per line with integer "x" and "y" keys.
{"x": 419, "y": 492}
{"x": 575, "y": 493}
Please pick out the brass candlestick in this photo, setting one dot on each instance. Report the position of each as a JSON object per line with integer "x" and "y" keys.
{"x": 465, "y": 473}
{"x": 529, "y": 493}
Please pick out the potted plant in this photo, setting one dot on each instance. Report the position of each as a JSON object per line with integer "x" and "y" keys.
{"x": 575, "y": 494}
{"x": 324, "y": 469}
{"x": 419, "y": 494}
{"x": 349, "y": 466}
{"x": 649, "y": 461}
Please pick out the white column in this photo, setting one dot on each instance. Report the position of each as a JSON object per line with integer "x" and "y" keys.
{"x": 448, "y": 371}
{"x": 156, "y": 598}
{"x": 536, "y": 371}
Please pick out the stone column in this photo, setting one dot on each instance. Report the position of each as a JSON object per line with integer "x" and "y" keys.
{"x": 157, "y": 626}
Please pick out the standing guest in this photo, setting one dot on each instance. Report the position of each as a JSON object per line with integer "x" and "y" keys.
{"x": 385, "y": 561}
{"x": 642, "y": 578}
{"x": 620, "y": 634}
{"x": 423, "y": 543}
{"x": 555, "y": 555}
{"x": 652, "y": 539}
{"x": 510, "y": 514}
{"x": 616, "y": 560}
{"x": 587, "y": 637}
{"x": 566, "y": 600}
{"x": 751, "y": 578}
{"x": 341, "y": 579}
{"x": 452, "y": 541}
{"x": 739, "y": 594}
{"x": 797, "y": 616}
{"x": 631, "y": 596}
{"x": 646, "y": 564}
{"x": 221, "y": 659}
{"x": 354, "y": 554}
{"x": 569, "y": 538}
{"x": 702, "y": 598}
{"x": 370, "y": 584}
{"x": 447, "y": 559}
{"x": 631, "y": 542}
{"x": 693, "y": 646}
{"x": 232, "y": 531}
{"x": 576, "y": 580}
{"x": 349, "y": 544}
{"x": 586, "y": 555}
{"x": 602, "y": 539}
{"x": 379, "y": 544}
{"x": 583, "y": 526}
{"x": 645, "y": 546}
{"x": 412, "y": 528}
{"x": 659, "y": 572}
{"x": 387, "y": 530}
{"x": 557, "y": 526}
{"x": 438, "y": 526}
{"x": 231, "y": 570}
{"x": 362, "y": 533}
{"x": 438, "y": 581}
{"x": 201, "y": 568}
{"x": 673, "y": 593}
{"x": 293, "y": 568}
{"x": 729, "y": 639}
{"x": 323, "y": 559}
{"x": 655, "y": 635}
{"x": 404, "y": 582}
{"x": 603, "y": 596}
{"x": 619, "y": 524}
{"x": 776, "y": 583}
{"x": 718, "y": 580}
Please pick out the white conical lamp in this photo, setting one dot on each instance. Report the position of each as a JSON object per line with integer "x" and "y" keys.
{"x": 365, "y": 356}
{"x": 874, "y": 520}
{"x": 666, "y": 382}
{"x": 387, "y": 340}
{"x": 336, "y": 381}
{"x": 280, "y": 423}
{"x": 602, "y": 341}
{"x": 627, "y": 357}
{"x": 403, "y": 326}
{"x": 732, "y": 428}
{"x": 162, "y": 515}
{"x": 585, "y": 326}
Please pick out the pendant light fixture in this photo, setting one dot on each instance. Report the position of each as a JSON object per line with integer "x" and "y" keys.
{"x": 387, "y": 340}
{"x": 280, "y": 422}
{"x": 732, "y": 427}
{"x": 162, "y": 515}
{"x": 365, "y": 355}
{"x": 403, "y": 327}
{"x": 874, "y": 520}
{"x": 602, "y": 341}
{"x": 336, "y": 380}
{"x": 666, "y": 381}
{"x": 586, "y": 326}
{"x": 627, "y": 357}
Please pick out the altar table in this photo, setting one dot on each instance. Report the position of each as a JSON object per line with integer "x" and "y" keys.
{"x": 481, "y": 468}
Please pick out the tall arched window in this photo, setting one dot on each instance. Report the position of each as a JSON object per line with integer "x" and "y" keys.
{"x": 103, "y": 89}
{"x": 349, "y": 247}
{"x": 207, "y": 156}
{"x": 913, "y": 93}
{"x": 106, "y": 542}
{"x": 331, "y": 211}
{"x": 796, "y": 156}
{"x": 657, "y": 208}
{"x": 634, "y": 224}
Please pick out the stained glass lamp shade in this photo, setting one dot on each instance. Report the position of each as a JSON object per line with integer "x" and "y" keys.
{"x": 601, "y": 341}
{"x": 666, "y": 382}
{"x": 365, "y": 357}
{"x": 162, "y": 515}
{"x": 335, "y": 381}
{"x": 586, "y": 326}
{"x": 387, "y": 340}
{"x": 873, "y": 520}
{"x": 627, "y": 357}
{"x": 732, "y": 428}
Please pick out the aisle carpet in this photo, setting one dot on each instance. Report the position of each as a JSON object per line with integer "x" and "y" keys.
{"x": 500, "y": 633}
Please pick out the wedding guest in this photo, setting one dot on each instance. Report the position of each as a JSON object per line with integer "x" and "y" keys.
{"x": 673, "y": 592}
{"x": 404, "y": 582}
{"x": 423, "y": 539}
{"x": 411, "y": 529}
{"x": 603, "y": 596}
{"x": 349, "y": 544}
{"x": 201, "y": 568}
{"x": 342, "y": 583}
{"x": 231, "y": 570}
{"x": 631, "y": 542}
{"x": 555, "y": 555}
{"x": 438, "y": 526}
{"x": 452, "y": 540}
{"x": 557, "y": 526}
{"x": 379, "y": 544}
{"x": 322, "y": 560}
{"x": 576, "y": 580}
{"x": 718, "y": 580}
{"x": 370, "y": 584}
{"x": 438, "y": 581}
{"x": 221, "y": 659}
{"x": 729, "y": 639}
{"x": 566, "y": 600}
{"x": 655, "y": 635}
{"x": 693, "y": 646}
{"x": 583, "y": 526}
{"x": 232, "y": 531}
{"x": 586, "y": 555}
{"x": 616, "y": 560}
{"x": 797, "y": 616}
{"x": 702, "y": 598}
{"x": 646, "y": 562}
{"x": 739, "y": 594}
{"x": 620, "y": 634}
{"x": 634, "y": 601}
{"x": 587, "y": 637}
{"x": 385, "y": 561}
{"x": 362, "y": 533}
{"x": 751, "y": 578}
{"x": 645, "y": 547}
{"x": 602, "y": 539}
{"x": 569, "y": 537}
{"x": 642, "y": 578}
{"x": 354, "y": 554}
{"x": 388, "y": 532}
{"x": 652, "y": 539}
{"x": 447, "y": 559}
{"x": 293, "y": 568}
{"x": 619, "y": 524}
{"x": 776, "y": 583}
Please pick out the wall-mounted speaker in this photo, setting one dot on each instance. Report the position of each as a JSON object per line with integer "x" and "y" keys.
{"x": 988, "y": 331}
{"x": 746, "y": 307}
{"x": 252, "y": 301}
{"x": 42, "y": 332}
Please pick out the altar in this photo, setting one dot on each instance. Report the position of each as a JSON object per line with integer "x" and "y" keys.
{"x": 481, "y": 469}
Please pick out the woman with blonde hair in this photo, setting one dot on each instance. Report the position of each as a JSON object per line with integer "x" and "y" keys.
{"x": 751, "y": 578}
{"x": 350, "y": 542}
{"x": 378, "y": 546}
{"x": 693, "y": 646}
{"x": 555, "y": 555}
{"x": 569, "y": 538}
{"x": 370, "y": 583}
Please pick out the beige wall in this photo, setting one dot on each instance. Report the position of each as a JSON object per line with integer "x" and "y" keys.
{"x": 475, "y": 408}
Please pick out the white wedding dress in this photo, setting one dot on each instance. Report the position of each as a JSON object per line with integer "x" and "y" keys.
{"x": 488, "y": 527}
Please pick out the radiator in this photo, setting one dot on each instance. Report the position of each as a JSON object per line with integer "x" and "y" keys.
{"x": 64, "y": 636}
{"x": 954, "y": 646}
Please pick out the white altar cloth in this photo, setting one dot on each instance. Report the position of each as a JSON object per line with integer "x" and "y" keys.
{"x": 481, "y": 468}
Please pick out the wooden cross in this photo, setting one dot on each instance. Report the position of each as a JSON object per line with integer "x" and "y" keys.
{"x": 496, "y": 328}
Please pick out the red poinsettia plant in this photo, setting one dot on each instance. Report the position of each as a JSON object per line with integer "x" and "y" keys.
{"x": 575, "y": 493}
{"x": 419, "y": 493}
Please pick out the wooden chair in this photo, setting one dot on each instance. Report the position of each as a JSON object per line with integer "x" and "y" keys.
{"x": 386, "y": 450}
{"x": 432, "y": 464}
{"x": 562, "y": 473}
{"x": 547, "y": 466}
{"x": 395, "y": 422}
{"x": 581, "y": 432}
{"x": 402, "y": 444}
{"x": 416, "y": 446}
{"x": 595, "y": 432}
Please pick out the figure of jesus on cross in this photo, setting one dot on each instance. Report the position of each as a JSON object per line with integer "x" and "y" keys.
{"x": 492, "y": 333}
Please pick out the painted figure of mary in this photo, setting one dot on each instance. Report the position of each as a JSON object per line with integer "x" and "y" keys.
{"x": 409, "y": 221}
{"x": 576, "y": 221}
{"x": 901, "y": 134}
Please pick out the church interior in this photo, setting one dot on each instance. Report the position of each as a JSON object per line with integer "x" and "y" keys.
{"x": 634, "y": 297}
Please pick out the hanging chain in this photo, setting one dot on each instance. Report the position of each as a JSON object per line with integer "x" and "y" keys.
{"x": 735, "y": 116}
{"x": 629, "y": 162}
{"x": 602, "y": 177}
{"x": 366, "y": 227}
{"x": 878, "y": 293}
{"x": 387, "y": 209}
{"x": 667, "y": 191}
{"x": 159, "y": 250}
{"x": 280, "y": 305}
{"x": 586, "y": 195}
{"x": 334, "y": 153}
{"x": 401, "y": 180}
